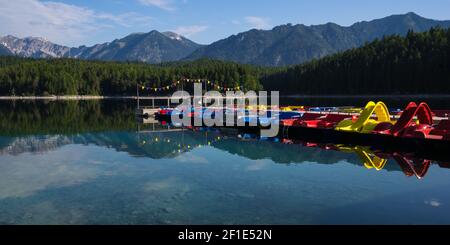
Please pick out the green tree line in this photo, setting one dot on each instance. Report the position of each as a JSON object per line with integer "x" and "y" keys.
{"x": 24, "y": 76}
{"x": 418, "y": 63}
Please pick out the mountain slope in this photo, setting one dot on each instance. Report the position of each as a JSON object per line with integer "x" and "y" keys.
{"x": 293, "y": 44}
{"x": 33, "y": 47}
{"x": 4, "y": 50}
{"x": 152, "y": 47}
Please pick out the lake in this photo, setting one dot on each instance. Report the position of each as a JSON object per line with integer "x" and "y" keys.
{"x": 92, "y": 162}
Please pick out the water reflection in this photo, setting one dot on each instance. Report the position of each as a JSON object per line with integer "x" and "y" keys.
{"x": 65, "y": 117}
{"x": 59, "y": 171}
{"x": 410, "y": 164}
{"x": 170, "y": 143}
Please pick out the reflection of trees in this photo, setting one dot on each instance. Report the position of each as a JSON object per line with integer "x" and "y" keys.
{"x": 157, "y": 145}
{"x": 154, "y": 145}
{"x": 113, "y": 119}
{"x": 171, "y": 144}
{"x": 281, "y": 153}
{"x": 161, "y": 144}
{"x": 65, "y": 117}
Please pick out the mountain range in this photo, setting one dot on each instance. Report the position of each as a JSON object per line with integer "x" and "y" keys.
{"x": 152, "y": 47}
{"x": 283, "y": 45}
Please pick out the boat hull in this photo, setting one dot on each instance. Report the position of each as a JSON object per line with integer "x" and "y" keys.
{"x": 421, "y": 146}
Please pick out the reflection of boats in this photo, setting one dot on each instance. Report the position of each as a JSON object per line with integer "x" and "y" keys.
{"x": 369, "y": 158}
{"x": 410, "y": 165}
{"x": 366, "y": 155}
{"x": 422, "y": 146}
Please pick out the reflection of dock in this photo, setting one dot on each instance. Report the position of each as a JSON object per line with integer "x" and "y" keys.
{"x": 151, "y": 127}
{"x": 146, "y": 120}
{"x": 146, "y": 111}
{"x": 150, "y": 124}
{"x": 161, "y": 130}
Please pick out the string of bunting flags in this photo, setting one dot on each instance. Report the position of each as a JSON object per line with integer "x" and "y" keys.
{"x": 214, "y": 85}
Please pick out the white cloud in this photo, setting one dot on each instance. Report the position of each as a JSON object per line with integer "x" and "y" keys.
{"x": 189, "y": 157}
{"x": 29, "y": 173}
{"x": 257, "y": 165}
{"x": 433, "y": 202}
{"x": 128, "y": 19}
{"x": 189, "y": 31}
{"x": 258, "y": 22}
{"x": 59, "y": 22}
{"x": 162, "y": 4}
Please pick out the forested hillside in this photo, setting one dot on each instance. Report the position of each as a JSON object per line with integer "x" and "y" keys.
{"x": 416, "y": 64}
{"x": 23, "y": 76}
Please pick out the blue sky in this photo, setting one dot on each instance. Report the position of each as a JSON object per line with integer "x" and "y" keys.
{"x": 87, "y": 22}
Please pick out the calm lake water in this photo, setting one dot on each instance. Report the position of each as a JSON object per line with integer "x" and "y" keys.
{"x": 91, "y": 162}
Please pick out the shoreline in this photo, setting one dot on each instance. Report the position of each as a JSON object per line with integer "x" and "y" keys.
{"x": 365, "y": 96}
{"x": 342, "y": 96}
{"x": 66, "y": 97}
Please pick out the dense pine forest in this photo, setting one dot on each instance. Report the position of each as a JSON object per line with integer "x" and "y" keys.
{"x": 22, "y": 76}
{"x": 416, "y": 64}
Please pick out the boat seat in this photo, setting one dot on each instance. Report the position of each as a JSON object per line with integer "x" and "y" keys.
{"x": 328, "y": 121}
{"x": 298, "y": 121}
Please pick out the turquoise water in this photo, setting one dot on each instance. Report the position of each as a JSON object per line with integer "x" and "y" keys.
{"x": 57, "y": 167}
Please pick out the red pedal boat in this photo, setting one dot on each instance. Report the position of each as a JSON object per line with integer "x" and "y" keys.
{"x": 328, "y": 121}
{"x": 416, "y": 121}
{"x": 298, "y": 121}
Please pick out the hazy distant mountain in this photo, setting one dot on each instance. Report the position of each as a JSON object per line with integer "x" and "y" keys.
{"x": 33, "y": 47}
{"x": 152, "y": 47}
{"x": 293, "y": 44}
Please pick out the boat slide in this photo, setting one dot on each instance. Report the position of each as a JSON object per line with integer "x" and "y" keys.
{"x": 422, "y": 112}
{"x": 365, "y": 123}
